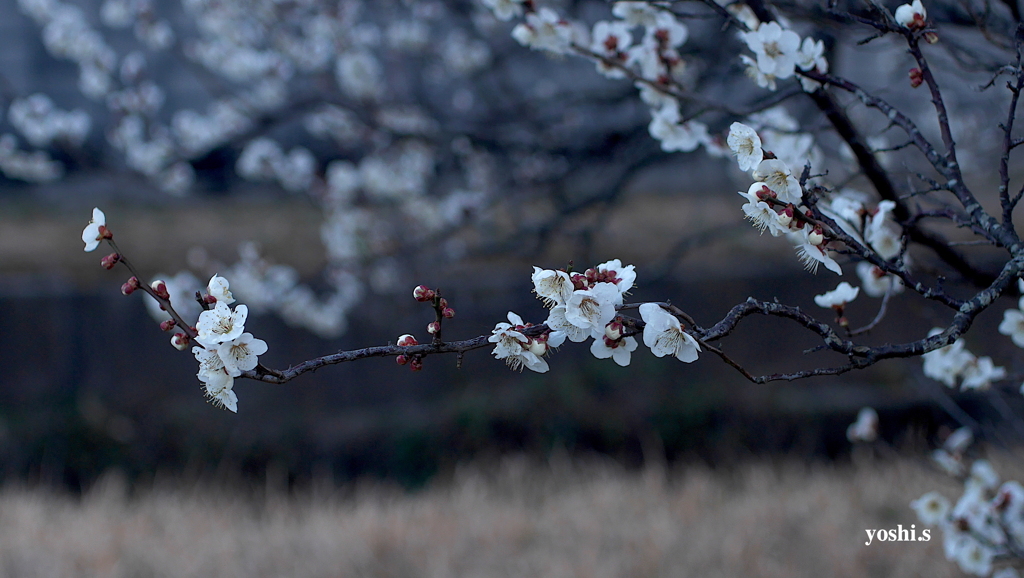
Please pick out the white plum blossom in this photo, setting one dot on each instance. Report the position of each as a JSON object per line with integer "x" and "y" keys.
{"x": 623, "y": 276}
{"x": 838, "y": 297}
{"x": 776, "y": 49}
{"x": 636, "y": 13}
{"x": 664, "y": 334}
{"x": 552, "y": 287}
{"x": 754, "y": 73}
{"x": 877, "y": 282}
{"x": 947, "y": 363}
{"x": 507, "y": 339}
{"x": 218, "y": 385}
{"x": 980, "y": 373}
{"x": 865, "y": 429}
{"x": 959, "y": 440}
{"x": 514, "y": 347}
{"x": 812, "y": 255}
{"x": 666, "y": 29}
{"x": 619, "y": 350}
{"x": 544, "y": 30}
{"x": 911, "y": 15}
{"x": 983, "y": 475}
{"x": 779, "y": 178}
{"x": 612, "y": 41}
{"x": 505, "y": 10}
{"x": 556, "y": 320}
{"x": 221, "y": 324}
{"x": 676, "y": 136}
{"x": 746, "y": 145}
{"x": 593, "y": 308}
{"x": 92, "y": 235}
{"x": 218, "y": 288}
{"x": 760, "y": 212}
{"x": 811, "y": 57}
{"x": 931, "y": 508}
{"x": 240, "y": 354}
{"x": 1013, "y": 324}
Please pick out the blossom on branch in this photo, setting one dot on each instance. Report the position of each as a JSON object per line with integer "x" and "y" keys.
{"x": 779, "y": 178}
{"x": 593, "y": 308}
{"x": 746, "y": 145}
{"x": 552, "y": 287}
{"x": 218, "y": 289}
{"x": 776, "y": 49}
{"x": 505, "y": 10}
{"x": 240, "y": 353}
{"x": 912, "y": 16}
{"x": 838, "y": 297}
{"x": 665, "y": 335}
{"x": 221, "y": 324}
{"x": 544, "y": 30}
{"x": 619, "y": 350}
{"x": 95, "y": 231}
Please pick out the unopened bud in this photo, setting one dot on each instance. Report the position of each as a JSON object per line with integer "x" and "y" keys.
{"x": 538, "y": 348}
{"x": 160, "y": 288}
{"x": 130, "y": 286}
{"x": 109, "y": 261}
{"x": 423, "y": 293}
{"x": 786, "y": 216}
{"x": 442, "y": 303}
{"x": 180, "y": 341}
{"x": 433, "y": 327}
{"x": 167, "y": 325}
{"x": 816, "y": 237}
{"x": 931, "y": 37}
{"x": 210, "y": 299}
{"x": 105, "y": 233}
{"x": 613, "y": 331}
{"x": 448, "y": 313}
{"x": 401, "y": 360}
{"x": 407, "y": 340}
{"x": 916, "y": 77}
{"x": 416, "y": 364}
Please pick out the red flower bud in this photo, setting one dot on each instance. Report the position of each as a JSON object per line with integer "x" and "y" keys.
{"x": 433, "y": 327}
{"x": 448, "y": 313}
{"x": 916, "y": 77}
{"x": 160, "y": 288}
{"x": 401, "y": 360}
{"x": 167, "y": 325}
{"x": 110, "y": 260}
{"x": 416, "y": 364}
{"x": 423, "y": 293}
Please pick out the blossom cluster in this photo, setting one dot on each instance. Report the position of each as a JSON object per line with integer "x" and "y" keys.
{"x": 954, "y": 362}
{"x": 585, "y": 306}
{"x": 987, "y": 521}
{"x": 225, "y": 350}
{"x": 779, "y": 52}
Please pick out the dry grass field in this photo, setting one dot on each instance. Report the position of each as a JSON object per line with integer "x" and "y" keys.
{"x": 510, "y": 519}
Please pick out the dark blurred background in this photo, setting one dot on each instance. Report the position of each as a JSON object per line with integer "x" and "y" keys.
{"x": 555, "y": 164}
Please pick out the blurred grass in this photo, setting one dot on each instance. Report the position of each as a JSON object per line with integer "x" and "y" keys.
{"x": 508, "y": 518}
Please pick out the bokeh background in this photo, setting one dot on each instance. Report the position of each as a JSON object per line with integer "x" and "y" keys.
{"x": 328, "y": 157}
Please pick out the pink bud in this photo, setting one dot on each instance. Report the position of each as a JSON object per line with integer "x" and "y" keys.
{"x": 160, "y": 288}
{"x": 786, "y": 216}
{"x": 401, "y": 360}
{"x": 167, "y": 325}
{"x": 129, "y": 287}
{"x": 416, "y": 364}
{"x": 180, "y": 341}
{"x": 916, "y": 77}
{"x": 448, "y": 313}
{"x": 423, "y": 293}
{"x": 407, "y": 340}
{"x": 433, "y": 327}
{"x": 109, "y": 261}
{"x": 816, "y": 237}
{"x": 613, "y": 331}
{"x": 442, "y": 303}
{"x": 210, "y": 299}
{"x": 538, "y": 348}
